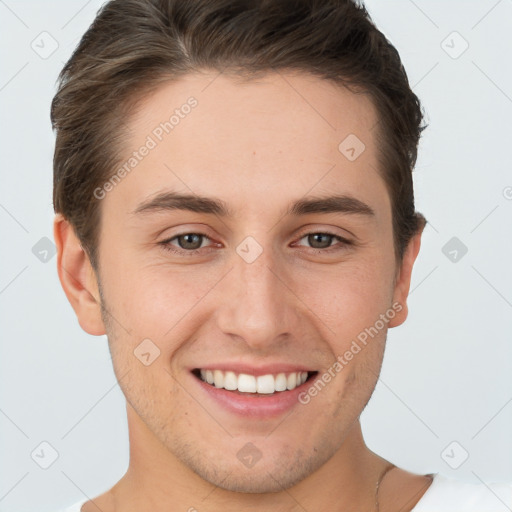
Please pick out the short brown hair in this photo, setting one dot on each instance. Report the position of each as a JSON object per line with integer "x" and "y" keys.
{"x": 134, "y": 45}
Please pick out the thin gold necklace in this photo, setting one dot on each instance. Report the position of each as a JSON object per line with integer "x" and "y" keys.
{"x": 383, "y": 474}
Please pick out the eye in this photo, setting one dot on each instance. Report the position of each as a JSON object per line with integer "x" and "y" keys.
{"x": 322, "y": 241}
{"x": 186, "y": 243}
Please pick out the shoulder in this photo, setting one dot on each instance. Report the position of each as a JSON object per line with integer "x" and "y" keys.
{"x": 447, "y": 494}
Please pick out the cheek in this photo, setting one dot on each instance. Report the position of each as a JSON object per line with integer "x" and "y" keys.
{"x": 157, "y": 302}
{"x": 348, "y": 299}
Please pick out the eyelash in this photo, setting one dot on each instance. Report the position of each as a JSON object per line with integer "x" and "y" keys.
{"x": 166, "y": 244}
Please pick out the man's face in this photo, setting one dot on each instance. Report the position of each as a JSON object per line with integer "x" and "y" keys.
{"x": 264, "y": 292}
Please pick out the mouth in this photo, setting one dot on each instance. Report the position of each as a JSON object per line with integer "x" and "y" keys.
{"x": 254, "y": 385}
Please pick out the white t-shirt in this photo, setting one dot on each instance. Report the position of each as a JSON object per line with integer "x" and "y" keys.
{"x": 446, "y": 494}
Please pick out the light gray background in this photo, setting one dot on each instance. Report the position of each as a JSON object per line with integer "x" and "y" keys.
{"x": 447, "y": 372}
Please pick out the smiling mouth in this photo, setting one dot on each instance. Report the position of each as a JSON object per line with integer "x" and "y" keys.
{"x": 247, "y": 384}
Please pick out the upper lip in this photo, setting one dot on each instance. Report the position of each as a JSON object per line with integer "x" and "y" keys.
{"x": 273, "y": 368}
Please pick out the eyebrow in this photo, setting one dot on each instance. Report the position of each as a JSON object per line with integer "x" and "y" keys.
{"x": 166, "y": 201}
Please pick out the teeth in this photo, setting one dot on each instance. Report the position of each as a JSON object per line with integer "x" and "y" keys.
{"x": 291, "y": 381}
{"x": 247, "y": 383}
{"x": 263, "y": 384}
{"x": 218, "y": 379}
{"x": 230, "y": 381}
{"x": 280, "y": 382}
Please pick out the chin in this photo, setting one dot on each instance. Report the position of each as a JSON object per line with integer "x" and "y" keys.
{"x": 254, "y": 481}
{"x": 280, "y": 472}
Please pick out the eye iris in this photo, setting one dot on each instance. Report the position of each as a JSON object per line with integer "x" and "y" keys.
{"x": 323, "y": 238}
{"x": 190, "y": 241}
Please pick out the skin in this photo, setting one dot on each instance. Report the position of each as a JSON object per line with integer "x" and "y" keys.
{"x": 258, "y": 146}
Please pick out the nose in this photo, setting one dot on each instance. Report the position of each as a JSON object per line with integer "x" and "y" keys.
{"x": 257, "y": 304}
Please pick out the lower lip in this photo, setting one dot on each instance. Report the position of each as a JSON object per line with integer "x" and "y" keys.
{"x": 260, "y": 406}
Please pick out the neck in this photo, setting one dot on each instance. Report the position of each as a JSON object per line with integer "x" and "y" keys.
{"x": 157, "y": 480}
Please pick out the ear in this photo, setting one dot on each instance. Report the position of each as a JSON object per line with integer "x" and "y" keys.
{"x": 403, "y": 280}
{"x": 77, "y": 277}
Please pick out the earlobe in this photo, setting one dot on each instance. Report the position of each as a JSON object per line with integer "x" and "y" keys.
{"x": 403, "y": 281}
{"x": 77, "y": 277}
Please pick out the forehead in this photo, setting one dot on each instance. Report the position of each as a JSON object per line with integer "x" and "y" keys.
{"x": 274, "y": 136}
